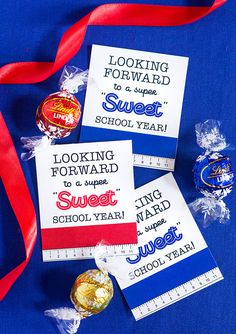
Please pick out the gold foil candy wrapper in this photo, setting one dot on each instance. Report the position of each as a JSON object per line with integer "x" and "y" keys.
{"x": 91, "y": 292}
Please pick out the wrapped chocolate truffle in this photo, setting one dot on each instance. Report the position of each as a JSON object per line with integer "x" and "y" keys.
{"x": 59, "y": 113}
{"x": 213, "y": 175}
{"x": 91, "y": 293}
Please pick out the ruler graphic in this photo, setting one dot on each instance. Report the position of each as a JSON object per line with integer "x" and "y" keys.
{"x": 149, "y": 161}
{"x": 88, "y": 252}
{"x": 177, "y": 293}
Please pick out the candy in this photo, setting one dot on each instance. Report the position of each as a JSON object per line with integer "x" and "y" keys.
{"x": 58, "y": 114}
{"x": 91, "y": 292}
{"x": 213, "y": 175}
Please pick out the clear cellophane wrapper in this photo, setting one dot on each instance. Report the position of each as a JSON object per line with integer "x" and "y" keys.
{"x": 71, "y": 82}
{"x": 68, "y": 319}
{"x": 211, "y": 207}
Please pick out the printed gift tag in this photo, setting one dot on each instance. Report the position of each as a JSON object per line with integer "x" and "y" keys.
{"x": 135, "y": 95}
{"x": 86, "y": 196}
{"x": 173, "y": 260}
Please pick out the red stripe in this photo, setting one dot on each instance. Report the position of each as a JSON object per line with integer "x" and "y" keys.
{"x": 106, "y": 15}
{"x": 86, "y": 236}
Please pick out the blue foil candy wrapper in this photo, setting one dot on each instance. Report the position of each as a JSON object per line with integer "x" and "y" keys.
{"x": 213, "y": 175}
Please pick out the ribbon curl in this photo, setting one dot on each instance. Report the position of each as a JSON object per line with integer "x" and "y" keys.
{"x": 19, "y": 197}
{"x": 103, "y": 15}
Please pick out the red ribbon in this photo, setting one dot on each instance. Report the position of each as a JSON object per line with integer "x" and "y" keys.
{"x": 104, "y": 15}
{"x": 19, "y": 196}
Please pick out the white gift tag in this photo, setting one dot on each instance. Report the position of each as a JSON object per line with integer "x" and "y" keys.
{"x": 135, "y": 95}
{"x": 86, "y": 196}
{"x": 173, "y": 261}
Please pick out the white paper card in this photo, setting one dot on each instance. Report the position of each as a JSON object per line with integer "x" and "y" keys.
{"x": 173, "y": 261}
{"x": 135, "y": 95}
{"x": 86, "y": 195}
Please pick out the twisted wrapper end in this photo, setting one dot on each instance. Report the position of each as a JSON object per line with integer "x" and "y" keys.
{"x": 106, "y": 262}
{"x": 33, "y": 145}
{"x": 67, "y": 319}
{"x": 73, "y": 79}
{"x": 209, "y": 137}
{"x": 102, "y": 259}
{"x": 208, "y": 210}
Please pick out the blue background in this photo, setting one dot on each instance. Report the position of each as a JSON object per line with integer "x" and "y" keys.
{"x": 30, "y": 30}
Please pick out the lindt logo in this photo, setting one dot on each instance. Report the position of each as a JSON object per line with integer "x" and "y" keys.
{"x": 59, "y": 106}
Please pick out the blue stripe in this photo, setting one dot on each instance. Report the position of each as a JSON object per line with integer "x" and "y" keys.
{"x": 169, "y": 278}
{"x": 142, "y": 143}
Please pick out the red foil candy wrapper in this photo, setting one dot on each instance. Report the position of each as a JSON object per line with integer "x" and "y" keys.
{"x": 58, "y": 114}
